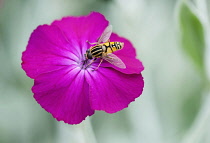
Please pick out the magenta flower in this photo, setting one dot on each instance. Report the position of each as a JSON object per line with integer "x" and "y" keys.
{"x": 54, "y": 58}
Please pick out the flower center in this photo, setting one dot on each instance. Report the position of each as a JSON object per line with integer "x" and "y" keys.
{"x": 84, "y": 64}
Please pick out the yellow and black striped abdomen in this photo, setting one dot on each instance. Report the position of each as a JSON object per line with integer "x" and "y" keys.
{"x": 111, "y": 47}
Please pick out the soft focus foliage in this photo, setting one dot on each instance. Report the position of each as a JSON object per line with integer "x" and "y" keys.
{"x": 192, "y": 31}
{"x": 174, "y": 106}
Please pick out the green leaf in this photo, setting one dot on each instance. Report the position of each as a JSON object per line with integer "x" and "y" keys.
{"x": 192, "y": 35}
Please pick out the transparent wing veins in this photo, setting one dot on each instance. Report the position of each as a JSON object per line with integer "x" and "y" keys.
{"x": 114, "y": 60}
{"x": 105, "y": 35}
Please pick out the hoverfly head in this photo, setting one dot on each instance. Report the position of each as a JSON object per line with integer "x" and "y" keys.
{"x": 88, "y": 54}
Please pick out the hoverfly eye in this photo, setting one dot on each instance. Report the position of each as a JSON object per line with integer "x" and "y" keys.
{"x": 89, "y": 55}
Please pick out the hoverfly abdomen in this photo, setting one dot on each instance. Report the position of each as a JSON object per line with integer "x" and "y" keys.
{"x": 112, "y": 46}
{"x": 119, "y": 45}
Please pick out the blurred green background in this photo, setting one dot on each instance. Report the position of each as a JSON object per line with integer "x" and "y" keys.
{"x": 172, "y": 38}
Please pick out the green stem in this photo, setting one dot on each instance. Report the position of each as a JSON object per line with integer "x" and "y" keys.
{"x": 81, "y": 133}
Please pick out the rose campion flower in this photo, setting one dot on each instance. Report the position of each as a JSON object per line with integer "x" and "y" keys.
{"x": 54, "y": 58}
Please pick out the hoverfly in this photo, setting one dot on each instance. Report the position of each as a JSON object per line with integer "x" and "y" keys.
{"x": 104, "y": 49}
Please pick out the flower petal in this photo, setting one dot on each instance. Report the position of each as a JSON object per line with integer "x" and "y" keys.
{"x": 111, "y": 90}
{"x": 65, "y": 94}
{"x": 83, "y": 28}
{"x": 48, "y": 50}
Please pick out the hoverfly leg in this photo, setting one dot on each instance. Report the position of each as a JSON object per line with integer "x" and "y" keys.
{"x": 104, "y": 54}
{"x": 91, "y": 43}
{"x": 84, "y": 62}
{"x": 90, "y": 63}
{"x": 98, "y": 65}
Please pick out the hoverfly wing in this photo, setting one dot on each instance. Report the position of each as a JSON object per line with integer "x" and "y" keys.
{"x": 105, "y": 35}
{"x": 113, "y": 59}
